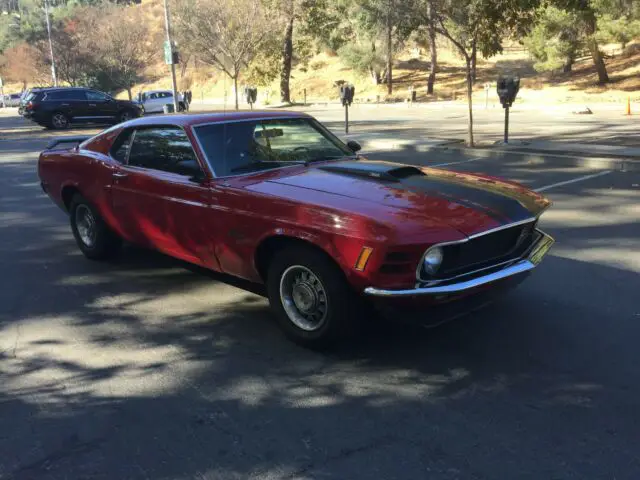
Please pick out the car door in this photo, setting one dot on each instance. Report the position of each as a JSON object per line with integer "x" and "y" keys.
{"x": 160, "y": 197}
{"x": 153, "y": 103}
{"x": 100, "y": 106}
{"x": 71, "y": 102}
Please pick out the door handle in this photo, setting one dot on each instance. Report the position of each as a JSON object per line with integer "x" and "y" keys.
{"x": 120, "y": 174}
{"x": 92, "y": 104}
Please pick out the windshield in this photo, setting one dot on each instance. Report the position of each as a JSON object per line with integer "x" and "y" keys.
{"x": 245, "y": 147}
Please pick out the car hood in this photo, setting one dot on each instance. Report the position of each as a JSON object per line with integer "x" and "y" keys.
{"x": 469, "y": 203}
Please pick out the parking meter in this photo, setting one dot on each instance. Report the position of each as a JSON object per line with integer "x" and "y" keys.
{"x": 507, "y": 88}
{"x": 251, "y": 95}
{"x": 347, "y": 92}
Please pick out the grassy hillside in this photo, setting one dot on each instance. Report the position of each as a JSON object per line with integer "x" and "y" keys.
{"x": 318, "y": 76}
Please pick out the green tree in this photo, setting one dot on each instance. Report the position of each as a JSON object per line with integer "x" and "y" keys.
{"x": 226, "y": 35}
{"x": 391, "y": 20}
{"x": 480, "y": 25}
{"x": 554, "y": 40}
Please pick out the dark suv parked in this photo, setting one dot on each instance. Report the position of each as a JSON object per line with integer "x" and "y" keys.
{"x": 59, "y": 107}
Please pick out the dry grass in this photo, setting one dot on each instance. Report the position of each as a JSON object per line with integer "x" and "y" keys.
{"x": 319, "y": 75}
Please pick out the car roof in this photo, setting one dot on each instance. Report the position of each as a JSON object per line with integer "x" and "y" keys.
{"x": 194, "y": 119}
{"x": 64, "y": 88}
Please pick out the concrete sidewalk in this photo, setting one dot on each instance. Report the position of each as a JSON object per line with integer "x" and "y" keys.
{"x": 540, "y": 152}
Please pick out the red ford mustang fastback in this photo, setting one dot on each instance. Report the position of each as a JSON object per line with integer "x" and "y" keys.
{"x": 274, "y": 197}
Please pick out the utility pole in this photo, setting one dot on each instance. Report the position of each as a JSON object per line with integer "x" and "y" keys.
{"x": 169, "y": 47}
{"x": 53, "y": 63}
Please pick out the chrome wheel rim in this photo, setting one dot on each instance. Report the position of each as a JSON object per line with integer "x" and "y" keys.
{"x": 124, "y": 117}
{"x": 86, "y": 225}
{"x": 59, "y": 120}
{"x": 304, "y": 298}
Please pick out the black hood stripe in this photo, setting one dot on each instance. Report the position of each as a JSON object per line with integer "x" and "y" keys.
{"x": 501, "y": 202}
{"x": 500, "y": 207}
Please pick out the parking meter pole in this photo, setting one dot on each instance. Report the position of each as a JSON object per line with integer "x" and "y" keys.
{"x": 506, "y": 124}
{"x": 167, "y": 24}
{"x": 346, "y": 119}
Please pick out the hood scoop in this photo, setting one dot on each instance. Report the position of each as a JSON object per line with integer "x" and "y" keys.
{"x": 386, "y": 171}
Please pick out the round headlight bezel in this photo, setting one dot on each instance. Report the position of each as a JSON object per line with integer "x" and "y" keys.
{"x": 432, "y": 260}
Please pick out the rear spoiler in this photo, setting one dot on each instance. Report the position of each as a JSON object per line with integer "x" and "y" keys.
{"x": 58, "y": 141}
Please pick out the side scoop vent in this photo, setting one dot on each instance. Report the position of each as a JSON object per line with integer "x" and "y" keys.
{"x": 385, "y": 171}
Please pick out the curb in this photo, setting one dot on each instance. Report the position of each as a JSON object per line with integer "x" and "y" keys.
{"x": 557, "y": 158}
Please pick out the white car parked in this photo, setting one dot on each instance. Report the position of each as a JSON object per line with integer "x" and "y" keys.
{"x": 12, "y": 100}
{"x": 154, "y": 100}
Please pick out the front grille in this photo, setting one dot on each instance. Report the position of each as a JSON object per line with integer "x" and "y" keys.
{"x": 486, "y": 250}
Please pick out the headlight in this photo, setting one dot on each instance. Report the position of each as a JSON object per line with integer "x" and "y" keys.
{"x": 432, "y": 260}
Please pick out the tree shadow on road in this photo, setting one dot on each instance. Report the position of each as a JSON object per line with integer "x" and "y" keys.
{"x": 141, "y": 368}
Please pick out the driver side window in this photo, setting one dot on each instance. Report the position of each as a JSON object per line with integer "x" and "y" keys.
{"x": 96, "y": 96}
{"x": 167, "y": 149}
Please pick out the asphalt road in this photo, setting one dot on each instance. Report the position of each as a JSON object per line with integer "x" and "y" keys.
{"x": 144, "y": 368}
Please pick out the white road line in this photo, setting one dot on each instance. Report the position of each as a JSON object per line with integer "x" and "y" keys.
{"x": 574, "y": 180}
{"x": 455, "y": 163}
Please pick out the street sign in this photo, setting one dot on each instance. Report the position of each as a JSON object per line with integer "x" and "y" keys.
{"x": 171, "y": 56}
{"x": 167, "y": 53}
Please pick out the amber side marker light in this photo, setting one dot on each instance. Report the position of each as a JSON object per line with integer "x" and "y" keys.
{"x": 363, "y": 258}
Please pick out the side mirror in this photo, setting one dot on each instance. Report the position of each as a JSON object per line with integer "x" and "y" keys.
{"x": 198, "y": 177}
{"x": 354, "y": 146}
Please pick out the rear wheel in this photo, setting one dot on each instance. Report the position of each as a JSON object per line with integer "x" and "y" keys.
{"x": 311, "y": 298}
{"x": 59, "y": 121}
{"x": 94, "y": 238}
{"x": 125, "y": 116}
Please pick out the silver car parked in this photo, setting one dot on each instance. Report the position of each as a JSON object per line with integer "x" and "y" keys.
{"x": 154, "y": 100}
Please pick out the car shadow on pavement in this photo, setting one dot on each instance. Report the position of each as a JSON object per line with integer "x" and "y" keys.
{"x": 141, "y": 368}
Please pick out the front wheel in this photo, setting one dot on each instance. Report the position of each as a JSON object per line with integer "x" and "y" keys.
{"x": 125, "y": 116}
{"x": 310, "y": 297}
{"x": 93, "y": 236}
{"x": 59, "y": 121}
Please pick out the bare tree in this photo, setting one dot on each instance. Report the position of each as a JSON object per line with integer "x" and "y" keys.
{"x": 24, "y": 63}
{"x": 227, "y": 35}
{"x": 125, "y": 49}
{"x": 71, "y": 46}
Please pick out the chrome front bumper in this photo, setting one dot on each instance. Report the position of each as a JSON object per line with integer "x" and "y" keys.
{"x": 521, "y": 266}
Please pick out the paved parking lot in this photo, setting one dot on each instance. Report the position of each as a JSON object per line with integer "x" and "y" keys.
{"x": 147, "y": 368}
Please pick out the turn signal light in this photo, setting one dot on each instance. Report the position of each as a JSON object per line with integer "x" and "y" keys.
{"x": 363, "y": 258}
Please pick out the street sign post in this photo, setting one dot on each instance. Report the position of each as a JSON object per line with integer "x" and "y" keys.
{"x": 169, "y": 56}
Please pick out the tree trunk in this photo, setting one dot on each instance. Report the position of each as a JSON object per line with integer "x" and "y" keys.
{"x": 474, "y": 58}
{"x": 433, "y": 69}
{"x": 470, "y": 101}
{"x": 235, "y": 90}
{"x": 375, "y": 75}
{"x": 598, "y": 61}
{"x": 129, "y": 93}
{"x": 287, "y": 55}
{"x": 389, "y": 56}
{"x": 592, "y": 44}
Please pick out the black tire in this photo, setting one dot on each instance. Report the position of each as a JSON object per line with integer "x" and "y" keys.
{"x": 341, "y": 303}
{"x": 59, "y": 121}
{"x": 181, "y": 107}
{"x": 125, "y": 116}
{"x": 105, "y": 242}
